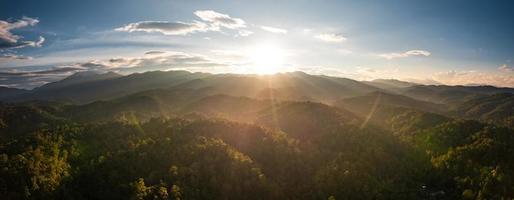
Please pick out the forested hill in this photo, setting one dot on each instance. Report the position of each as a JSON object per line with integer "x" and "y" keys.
{"x": 181, "y": 135}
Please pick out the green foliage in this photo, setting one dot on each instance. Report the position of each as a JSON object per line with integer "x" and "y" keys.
{"x": 261, "y": 149}
{"x": 34, "y": 167}
{"x": 476, "y": 155}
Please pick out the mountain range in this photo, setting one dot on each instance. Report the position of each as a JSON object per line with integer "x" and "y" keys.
{"x": 172, "y": 91}
{"x": 87, "y": 87}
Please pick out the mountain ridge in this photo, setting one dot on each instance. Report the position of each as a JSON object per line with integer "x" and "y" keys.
{"x": 87, "y": 87}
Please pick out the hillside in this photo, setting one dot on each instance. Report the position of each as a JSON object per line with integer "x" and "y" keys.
{"x": 79, "y": 78}
{"x": 451, "y": 94}
{"x": 392, "y": 85}
{"x": 6, "y": 92}
{"x": 363, "y": 104}
{"x": 286, "y": 86}
{"x": 86, "y": 88}
{"x": 493, "y": 107}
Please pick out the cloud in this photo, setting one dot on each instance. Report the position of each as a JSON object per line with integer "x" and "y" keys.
{"x": 166, "y": 28}
{"x": 506, "y": 68}
{"x": 331, "y": 37}
{"x": 152, "y": 60}
{"x": 220, "y": 20}
{"x": 6, "y": 27}
{"x": 273, "y": 29}
{"x": 390, "y": 56}
{"x": 36, "y": 75}
{"x": 154, "y": 52}
{"x": 323, "y": 70}
{"x": 212, "y": 21}
{"x": 453, "y": 77}
{"x": 10, "y": 56}
{"x": 31, "y": 79}
{"x": 426, "y": 81}
{"x": 40, "y": 42}
{"x": 367, "y": 73}
{"x": 149, "y": 61}
{"x": 10, "y": 40}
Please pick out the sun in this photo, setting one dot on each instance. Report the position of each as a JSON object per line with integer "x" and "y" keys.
{"x": 266, "y": 59}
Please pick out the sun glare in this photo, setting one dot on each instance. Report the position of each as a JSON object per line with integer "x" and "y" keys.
{"x": 266, "y": 59}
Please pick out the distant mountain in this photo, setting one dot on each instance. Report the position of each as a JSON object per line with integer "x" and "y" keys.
{"x": 285, "y": 86}
{"x": 6, "y": 92}
{"x": 383, "y": 109}
{"x": 79, "y": 78}
{"x": 139, "y": 106}
{"x": 389, "y": 84}
{"x": 87, "y": 87}
{"x": 492, "y": 107}
{"x": 451, "y": 94}
{"x": 364, "y": 104}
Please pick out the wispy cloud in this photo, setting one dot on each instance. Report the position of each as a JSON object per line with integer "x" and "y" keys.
{"x": 367, "y": 73}
{"x": 38, "y": 43}
{"x": 10, "y": 56}
{"x": 10, "y": 40}
{"x": 166, "y": 28}
{"x": 331, "y": 37}
{"x": 6, "y": 27}
{"x": 151, "y": 60}
{"x": 154, "y": 52}
{"x": 390, "y": 56}
{"x": 220, "y": 20}
{"x": 454, "y": 77}
{"x": 274, "y": 29}
{"x": 211, "y": 21}
{"x": 31, "y": 79}
{"x": 506, "y": 68}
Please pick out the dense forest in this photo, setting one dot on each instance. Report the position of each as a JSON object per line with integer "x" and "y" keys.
{"x": 181, "y": 135}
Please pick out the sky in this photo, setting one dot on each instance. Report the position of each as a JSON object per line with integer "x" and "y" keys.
{"x": 432, "y": 42}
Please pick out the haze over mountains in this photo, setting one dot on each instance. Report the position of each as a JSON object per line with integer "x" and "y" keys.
{"x": 238, "y": 97}
{"x": 86, "y": 87}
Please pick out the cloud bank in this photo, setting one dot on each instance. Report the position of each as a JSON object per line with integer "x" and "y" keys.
{"x": 390, "y": 56}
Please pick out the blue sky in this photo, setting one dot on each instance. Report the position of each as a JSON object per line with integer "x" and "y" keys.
{"x": 448, "y": 42}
